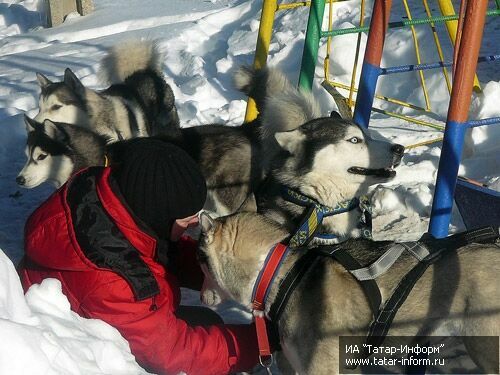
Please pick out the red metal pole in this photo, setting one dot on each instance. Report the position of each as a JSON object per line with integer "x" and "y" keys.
{"x": 371, "y": 63}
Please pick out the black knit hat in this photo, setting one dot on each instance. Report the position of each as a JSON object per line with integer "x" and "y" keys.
{"x": 160, "y": 183}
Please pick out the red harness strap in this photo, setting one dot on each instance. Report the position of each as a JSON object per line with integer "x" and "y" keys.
{"x": 261, "y": 288}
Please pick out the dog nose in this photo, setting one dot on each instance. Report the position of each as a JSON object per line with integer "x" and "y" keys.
{"x": 398, "y": 150}
{"x": 20, "y": 180}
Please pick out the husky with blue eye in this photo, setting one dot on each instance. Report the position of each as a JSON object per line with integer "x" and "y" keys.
{"x": 138, "y": 103}
{"x": 327, "y": 159}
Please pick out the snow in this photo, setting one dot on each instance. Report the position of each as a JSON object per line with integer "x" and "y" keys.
{"x": 203, "y": 42}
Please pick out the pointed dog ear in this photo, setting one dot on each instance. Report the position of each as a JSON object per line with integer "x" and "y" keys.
{"x": 31, "y": 124}
{"x": 53, "y": 131}
{"x": 43, "y": 81}
{"x": 71, "y": 80}
{"x": 335, "y": 114}
{"x": 290, "y": 141}
{"x": 207, "y": 223}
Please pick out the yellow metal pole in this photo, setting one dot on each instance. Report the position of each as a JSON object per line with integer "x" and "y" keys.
{"x": 419, "y": 60}
{"x": 446, "y": 7}
{"x": 262, "y": 49}
{"x": 438, "y": 46}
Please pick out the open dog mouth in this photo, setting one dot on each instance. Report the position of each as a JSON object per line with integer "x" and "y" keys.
{"x": 379, "y": 172}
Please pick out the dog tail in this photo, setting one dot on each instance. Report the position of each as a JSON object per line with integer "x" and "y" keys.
{"x": 281, "y": 105}
{"x": 128, "y": 57}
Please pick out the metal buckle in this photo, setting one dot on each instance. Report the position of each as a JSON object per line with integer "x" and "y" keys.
{"x": 267, "y": 362}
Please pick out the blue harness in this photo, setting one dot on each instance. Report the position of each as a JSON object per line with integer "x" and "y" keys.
{"x": 315, "y": 214}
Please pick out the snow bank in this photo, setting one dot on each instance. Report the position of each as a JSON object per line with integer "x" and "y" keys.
{"x": 41, "y": 335}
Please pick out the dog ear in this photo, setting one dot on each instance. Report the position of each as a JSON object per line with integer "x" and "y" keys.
{"x": 53, "y": 131}
{"x": 42, "y": 80}
{"x": 31, "y": 124}
{"x": 290, "y": 141}
{"x": 335, "y": 114}
{"x": 207, "y": 222}
{"x": 71, "y": 80}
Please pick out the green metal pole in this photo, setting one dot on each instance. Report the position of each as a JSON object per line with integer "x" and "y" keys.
{"x": 311, "y": 45}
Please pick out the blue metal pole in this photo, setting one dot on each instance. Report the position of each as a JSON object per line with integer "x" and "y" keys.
{"x": 449, "y": 163}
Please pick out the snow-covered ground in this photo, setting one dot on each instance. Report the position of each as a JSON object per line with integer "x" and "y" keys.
{"x": 203, "y": 42}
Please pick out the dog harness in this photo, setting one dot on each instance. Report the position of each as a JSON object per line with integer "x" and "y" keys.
{"x": 426, "y": 251}
{"x": 315, "y": 212}
{"x": 261, "y": 289}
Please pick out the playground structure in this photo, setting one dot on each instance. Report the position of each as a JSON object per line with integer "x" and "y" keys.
{"x": 465, "y": 31}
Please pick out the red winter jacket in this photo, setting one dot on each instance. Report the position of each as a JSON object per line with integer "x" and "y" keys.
{"x": 85, "y": 237}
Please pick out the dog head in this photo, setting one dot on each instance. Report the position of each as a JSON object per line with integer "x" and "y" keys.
{"x": 62, "y": 101}
{"x": 55, "y": 150}
{"x": 47, "y": 153}
{"x": 332, "y": 153}
{"x": 232, "y": 251}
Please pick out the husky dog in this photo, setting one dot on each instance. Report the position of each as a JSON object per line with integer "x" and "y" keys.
{"x": 227, "y": 156}
{"x": 230, "y": 157}
{"x": 331, "y": 161}
{"x": 138, "y": 103}
{"x": 234, "y": 248}
{"x": 328, "y": 159}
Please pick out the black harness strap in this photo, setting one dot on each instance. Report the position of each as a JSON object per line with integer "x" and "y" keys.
{"x": 437, "y": 248}
{"x": 290, "y": 282}
{"x": 308, "y": 260}
{"x": 370, "y": 287}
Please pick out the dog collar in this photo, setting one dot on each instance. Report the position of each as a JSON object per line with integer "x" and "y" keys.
{"x": 314, "y": 217}
{"x": 261, "y": 289}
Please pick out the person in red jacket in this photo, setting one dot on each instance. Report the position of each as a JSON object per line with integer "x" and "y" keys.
{"x": 112, "y": 236}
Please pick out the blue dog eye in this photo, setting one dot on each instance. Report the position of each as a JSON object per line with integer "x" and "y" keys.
{"x": 355, "y": 140}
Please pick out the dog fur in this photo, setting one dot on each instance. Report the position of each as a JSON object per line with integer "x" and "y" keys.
{"x": 230, "y": 157}
{"x": 138, "y": 103}
{"x": 455, "y": 296}
{"x": 318, "y": 156}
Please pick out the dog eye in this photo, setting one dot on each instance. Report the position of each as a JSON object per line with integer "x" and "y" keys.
{"x": 41, "y": 156}
{"x": 355, "y": 140}
{"x": 55, "y": 107}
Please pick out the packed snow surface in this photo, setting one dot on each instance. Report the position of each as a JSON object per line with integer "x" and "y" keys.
{"x": 203, "y": 42}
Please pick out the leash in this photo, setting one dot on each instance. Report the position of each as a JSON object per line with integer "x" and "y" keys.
{"x": 261, "y": 289}
{"x": 315, "y": 213}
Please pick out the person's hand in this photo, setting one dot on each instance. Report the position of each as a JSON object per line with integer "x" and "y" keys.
{"x": 181, "y": 225}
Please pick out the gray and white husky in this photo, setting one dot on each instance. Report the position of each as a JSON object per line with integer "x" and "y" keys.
{"x": 230, "y": 157}
{"x": 227, "y": 156}
{"x": 444, "y": 300}
{"x": 329, "y": 159}
{"x": 138, "y": 103}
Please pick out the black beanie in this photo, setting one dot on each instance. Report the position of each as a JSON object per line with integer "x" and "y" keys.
{"x": 160, "y": 183}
